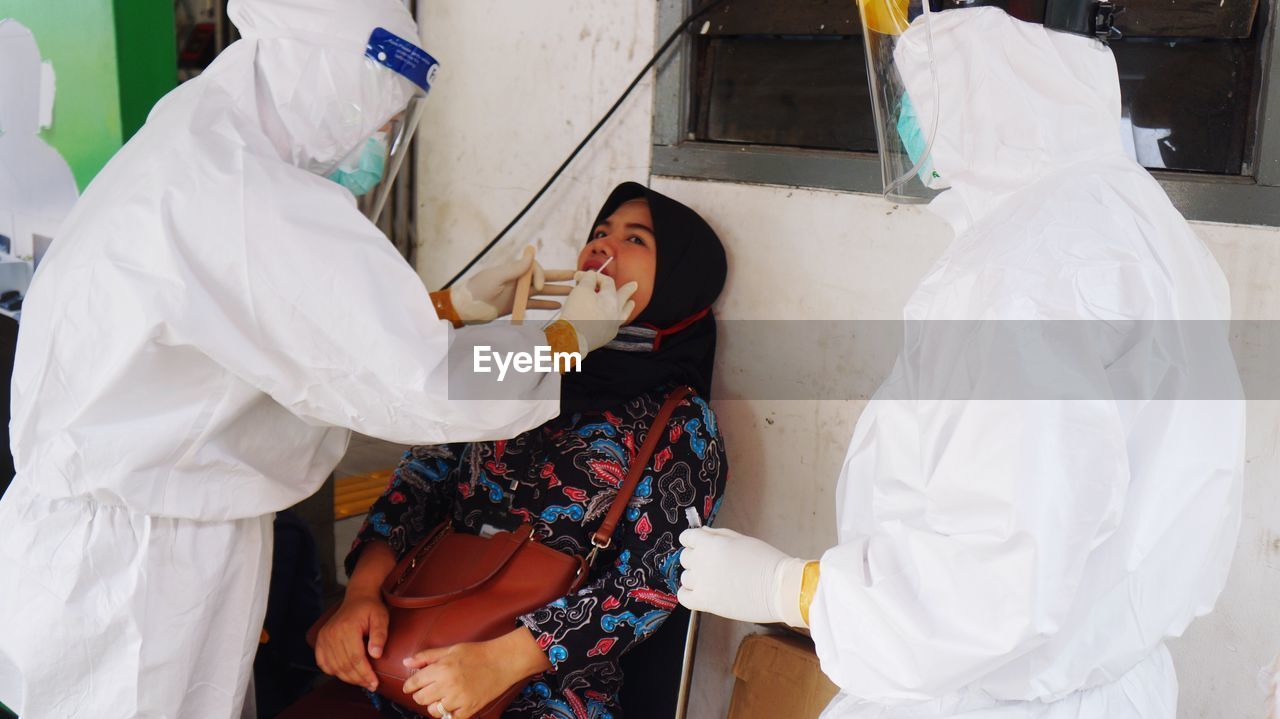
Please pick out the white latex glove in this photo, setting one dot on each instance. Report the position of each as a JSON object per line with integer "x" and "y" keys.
{"x": 491, "y": 292}
{"x": 596, "y": 309}
{"x": 739, "y": 577}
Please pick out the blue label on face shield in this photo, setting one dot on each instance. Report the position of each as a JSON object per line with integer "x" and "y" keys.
{"x": 403, "y": 57}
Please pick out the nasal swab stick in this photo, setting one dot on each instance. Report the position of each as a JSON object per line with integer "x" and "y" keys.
{"x": 557, "y": 315}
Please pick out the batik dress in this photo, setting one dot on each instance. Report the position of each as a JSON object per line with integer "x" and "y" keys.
{"x": 562, "y": 478}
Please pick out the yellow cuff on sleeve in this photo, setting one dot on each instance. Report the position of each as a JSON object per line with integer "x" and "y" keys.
{"x": 443, "y": 303}
{"x": 562, "y": 337}
{"x": 809, "y": 588}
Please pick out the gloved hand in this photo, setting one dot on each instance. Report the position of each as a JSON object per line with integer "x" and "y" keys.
{"x": 491, "y": 292}
{"x": 596, "y": 309}
{"x": 739, "y": 577}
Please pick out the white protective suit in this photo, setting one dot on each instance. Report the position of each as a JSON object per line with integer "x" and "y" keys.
{"x": 197, "y": 345}
{"x": 1014, "y": 555}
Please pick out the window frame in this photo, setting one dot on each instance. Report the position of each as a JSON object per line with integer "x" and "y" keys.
{"x": 1246, "y": 199}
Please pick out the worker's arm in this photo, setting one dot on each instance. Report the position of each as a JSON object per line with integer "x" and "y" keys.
{"x": 1022, "y": 494}
{"x": 1017, "y": 488}
{"x": 442, "y": 300}
{"x": 319, "y": 311}
{"x": 809, "y": 578}
{"x": 491, "y": 292}
{"x": 561, "y": 336}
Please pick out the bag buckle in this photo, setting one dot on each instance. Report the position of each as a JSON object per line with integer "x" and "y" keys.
{"x": 596, "y": 546}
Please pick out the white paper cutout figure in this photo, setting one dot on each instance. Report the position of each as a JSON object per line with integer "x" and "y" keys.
{"x": 37, "y": 188}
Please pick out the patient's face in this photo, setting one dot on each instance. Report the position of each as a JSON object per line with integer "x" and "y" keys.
{"x": 627, "y": 237}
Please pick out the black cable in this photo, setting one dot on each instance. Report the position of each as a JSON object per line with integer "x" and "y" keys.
{"x": 693, "y": 17}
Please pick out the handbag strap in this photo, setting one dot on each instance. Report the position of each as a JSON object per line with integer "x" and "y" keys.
{"x": 603, "y": 536}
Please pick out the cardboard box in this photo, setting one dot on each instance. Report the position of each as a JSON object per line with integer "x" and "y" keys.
{"x": 778, "y": 676}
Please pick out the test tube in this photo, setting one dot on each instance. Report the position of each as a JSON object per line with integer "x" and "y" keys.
{"x": 691, "y": 638}
{"x": 691, "y": 513}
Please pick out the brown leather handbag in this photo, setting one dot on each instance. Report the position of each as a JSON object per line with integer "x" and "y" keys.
{"x": 455, "y": 587}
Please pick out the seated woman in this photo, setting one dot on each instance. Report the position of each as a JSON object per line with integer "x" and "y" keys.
{"x": 562, "y": 478}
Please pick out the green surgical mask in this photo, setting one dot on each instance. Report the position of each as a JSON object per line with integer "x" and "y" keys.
{"x": 362, "y": 172}
{"x": 916, "y": 144}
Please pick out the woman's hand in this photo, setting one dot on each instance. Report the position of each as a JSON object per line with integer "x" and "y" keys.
{"x": 465, "y": 678}
{"x": 340, "y": 644}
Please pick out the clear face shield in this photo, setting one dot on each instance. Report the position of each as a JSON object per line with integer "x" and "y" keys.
{"x": 370, "y": 170}
{"x": 906, "y": 126}
{"x": 899, "y": 41}
{"x": 396, "y": 139}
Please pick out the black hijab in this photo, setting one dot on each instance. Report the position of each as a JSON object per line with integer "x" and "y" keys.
{"x": 673, "y": 341}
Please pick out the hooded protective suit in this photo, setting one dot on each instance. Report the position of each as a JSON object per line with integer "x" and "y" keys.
{"x": 213, "y": 320}
{"x": 1006, "y": 553}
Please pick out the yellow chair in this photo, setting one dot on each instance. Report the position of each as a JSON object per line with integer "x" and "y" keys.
{"x": 352, "y": 495}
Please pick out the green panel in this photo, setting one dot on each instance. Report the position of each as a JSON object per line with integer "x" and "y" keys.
{"x": 148, "y": 58}
{"x": 80, "y": 42}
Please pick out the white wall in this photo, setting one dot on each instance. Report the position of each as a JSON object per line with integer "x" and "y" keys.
{"x": 1220, "y": 657}
{"x": 524, "y": 81}
{"x": 520, "y": 84}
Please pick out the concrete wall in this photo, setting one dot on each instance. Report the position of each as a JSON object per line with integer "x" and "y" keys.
{"x": 520, "y": 84}
{"x": 523, "y": 82}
